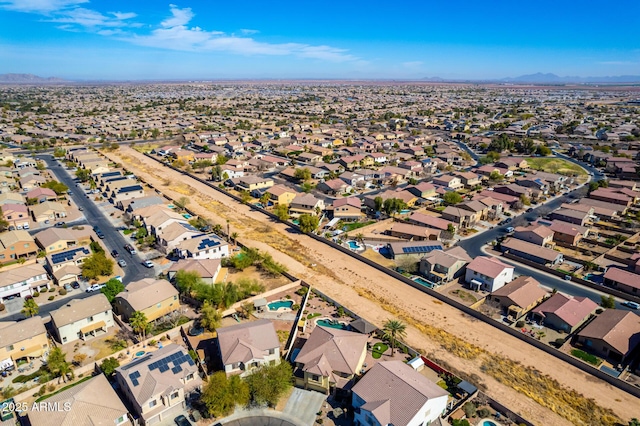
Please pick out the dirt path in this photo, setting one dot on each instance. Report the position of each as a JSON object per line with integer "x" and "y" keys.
{"x": 511, "y": 371}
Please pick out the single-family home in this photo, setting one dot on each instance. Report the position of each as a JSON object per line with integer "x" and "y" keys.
{"x": 82, "y": 319}
{"x": 463, "y": 218}
{"x": 169, "y": 237}
{"x": 245, "y": 347}
{"x": 532, "y": 252}
{"x": 348, "y": 208}
{"x": 330, "y": 359}
{"x": 132, "y": 204}
{"x": 16, "y": 215}
{"x": 126, "y": 193}
{"x": 564, "y": 313}
{"x": 516, "y": 298}
{"x": 442, "y": 266}
{"x": 252, "y": 182}
{"x": 570, "y": 216}
{"x": 306, "y": 204}
{"x": 23, "y": 281}
{"x": 11, "y": 198}
{"x": 155, "y": 298}
{"x": 539, "y": 235}
{"x": 613, "y": 335}
{"x": 280, "y": 194}
{"x": 601, "y": 209}
{"x": 393, "y": 393}
{"x": 568, "y": 233}
{"x": 422, "y": 219}
{"x": 157, "y": 384}
{"x": 334, "y": 186}
{"x": 53, "y": 239}
{"x": 411, "y": 232}
{"x": 16, "y": 245}
{"x": 42, "y": 195}
{"x": 488, "y": 274}
{"x": 48, "y": 210}
{"x": 412, "y": 249}
{"x": 622, "y": 280}
{"x": 422, "y": 190}
{"x": 74, "y": 256}
{"x": 513, "y": 190}
{"x": 202, "y": 247}
{"x": 448, "y": 181}
{"x": 469, "y": 179}
{"x": 90, "y": 402}
{"x": 207, "y": 269}
{"x": 603, "y": 194}
{"x": 22, "y": 341}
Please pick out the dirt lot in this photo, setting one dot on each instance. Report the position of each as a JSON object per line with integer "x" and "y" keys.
{"x": 510, "y": 371}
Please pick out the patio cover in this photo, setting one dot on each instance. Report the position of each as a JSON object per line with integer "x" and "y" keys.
{"x": 363, "y": 326}
{"x": 260, "y": 303}
{"x": 467, "y": 387}
{"x": 90, "y": 328}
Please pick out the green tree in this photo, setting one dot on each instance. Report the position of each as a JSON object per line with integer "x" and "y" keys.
{"x": 393, "y": 330}
{"x": 525, "y": 200}
{"x": 451, "y": 228}
{"x": 269, "y": 382}
{"x": 96, "y": 265}
{"x": 139, "y": 323}
{"x": 264, "y": 199}
{"x": 83, "y": 175}
{"x": 57, "y": 364}
{"x": 112, "y": 288}
{"x": 201, "y": 164}
{"x": 393, "y": 205}
{"x": 55, "y": 186}
{"x": 182, "y": 202}
{"x": 378, "y": 201}
{"x": 302, "y": 174}
{"x": 282, "y": 211}
{"x": 221, "y": 395}
{"x": 245, "y": 197}
{"x": 607, "y": 302}
{"x": 109, "y": 365}
{"x": 496, "y": 176}
{"x": 216, "y": 172}
{"x": 543, "y": 150}
{"x": 452, "y": 198}
{"x": 187, "y": 281}
{"x": 30, "y": 308}
{"x": 308, "y": 223}
{"x": 210, "y": 317}
{"x": 234, "y": 237}
{"x": 59, "y": 153}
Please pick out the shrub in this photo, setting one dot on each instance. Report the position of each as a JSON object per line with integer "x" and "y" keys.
{"x": 51, "y": 290}
{"x": 295, "y": 307}
{"x": 469, "y": 409}
{"x": 42, "y": 391}
{"x": 287, "y": 297}
{"x": 302, "y": 291}
{"x": 591, "y": 359}
{"x": 36, "y": 293}
{"x": 153, "y": 342}
{"x": 520, "y": 324}
{"x": 62, "y": 292}
{"x": 51, "y": 297}
{"x": 483, "y": 412}
{"x": 51, "y": 387}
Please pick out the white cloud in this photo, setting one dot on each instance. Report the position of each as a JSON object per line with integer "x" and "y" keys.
{"x": 178, "y": 17}
{"x": 39, "y": 6}
{"x": 92, "y": 19}
{"x": 246, "y": 31}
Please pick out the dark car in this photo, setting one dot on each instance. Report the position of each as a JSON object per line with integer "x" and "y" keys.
{"x": 130, "y": 249}
{"x": 530, "y": 209}
{"x": 182, "y": 421}
{"x": 115, "y": 253}
{"x": 75, "y": 285}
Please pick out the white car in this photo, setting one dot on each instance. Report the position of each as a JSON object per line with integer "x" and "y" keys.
{"x": 148, "y": 263}
{"x": 94, "y": 287}
{"x": 632, "y": 305}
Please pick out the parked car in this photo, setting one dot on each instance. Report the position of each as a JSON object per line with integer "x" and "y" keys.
{"x": 122, "y": 263}
{"x": 130, "y": 249}
{"x": 115, "y": 253}
{"x": 94, "y": 287}
{"x": 59, "y": 224}
{"x": 182, "y": 421}
{"x": 632, "y": 305}
{"x": 510, "y": 229}
{"x": 81, "y": 208}
{"x": 530, "y": 209}
{"x": 148, "y": 263}
{"x": 75, "y": 285}
{"x": 67, "y": 287}
{"x": 26, "y": 226}
{"x": 567, "y": 277}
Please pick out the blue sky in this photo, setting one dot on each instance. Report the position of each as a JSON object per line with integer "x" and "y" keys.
{"x": 114, "y": 39}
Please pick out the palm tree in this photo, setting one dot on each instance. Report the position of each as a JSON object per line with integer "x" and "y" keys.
{"x": 217, "y": 229}
{"x": 234, "y": 238}
{"x": 394, "y": 330}
{"x": 139, "y": 323}
{"x": 360, "y": 237}
{"x": 30, "y": 308}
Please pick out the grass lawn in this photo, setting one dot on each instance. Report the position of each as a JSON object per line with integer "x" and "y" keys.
{"x": 351, "y": 226}
{"x": 378, "y": 349}
{"x": 556, "y": 165}
{"x": 591, "y": 359}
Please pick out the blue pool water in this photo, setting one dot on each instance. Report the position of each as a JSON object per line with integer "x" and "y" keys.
{"x": 260, "y": 205}
{"x": 423, "y": 282}
{"x": 405, "y": 211}
{"x": 353, "y": 245}
{"x": 274, "y": 306}
{"x": 187, "y": 216}
{"x": 488, "y": 423}
{"x": 331, "y": 324}
{"x": 171, "y": 206}
{"x": 140, "y": 353}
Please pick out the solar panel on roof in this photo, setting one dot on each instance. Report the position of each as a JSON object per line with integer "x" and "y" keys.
{"x": 163, "y": 368}
{"x": 176, "y": 369}
{"x": 191, "y": 361}
{"x": 135, "y": 382}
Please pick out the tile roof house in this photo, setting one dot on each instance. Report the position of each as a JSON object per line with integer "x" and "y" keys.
{"x": 570, "y": 216}
{"x": 22, "y": 340}
{"x": 622, "y": 280}
{"x": 207, "y": 269}
{"x": 82, "y": 319}
{"x": 564, "y": 313}
{"x": 305, "y": 204}
{"x": 42, "y": 194}
{"x": 245, "y": 347}
{"x": 532, "y": 252}
{"x": 348, "y": 208}
{"x": 176, "y": 232}
{"x": 202, "y": 247}
{"x": 393, "y": 393}
{"x": 155, "y": 298}
{"x": 422, "y": 219}
{"x": 462, "y": 217}
{"x": 443, "y": 266}
{"x": 413, "y": 249}
{"x": 53, "y": 239}
{"x": 23, "y": 281}
{"x": 280, "y": 194}
{"x": 158, "y": 383}
{"x": 16, "y": 215}
{"x": 330, "y": 359}
{"x": 613, "y": 334}
{"x": 539, "y": 235}
{"x": 93, "y": 402}
{"x": 568, "y": 233}
{"x": 16, "y": 245}
{"x": 518, "y": 297}
{"x": 48, "y": 210}
{"x": 488, "y": 273}
{"x": 411, "y": 232}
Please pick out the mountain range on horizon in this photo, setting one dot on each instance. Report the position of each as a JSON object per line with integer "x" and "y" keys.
{"x": 541, "y": 78}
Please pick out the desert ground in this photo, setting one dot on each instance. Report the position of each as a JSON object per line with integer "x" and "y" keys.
{"x": 541, "y": 388}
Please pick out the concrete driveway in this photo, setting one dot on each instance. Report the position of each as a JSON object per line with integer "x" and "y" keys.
{"x": 304, "y": 404}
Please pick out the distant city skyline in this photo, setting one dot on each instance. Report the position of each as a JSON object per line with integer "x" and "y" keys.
{"x": 117, "y": 40}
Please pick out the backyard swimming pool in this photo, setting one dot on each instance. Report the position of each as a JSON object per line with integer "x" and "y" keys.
{"x": 353, "y": 245}
{"x": 405, "y": 211}
{"x": 423, "y": 282}
{"x": 187, "y": 216}
{"x": 325, "y": 322}
{"x": 140, "y": 353}
{"x": 488, "y": 423}
{"x": 274, "y": 306}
